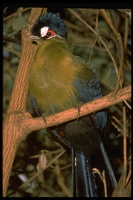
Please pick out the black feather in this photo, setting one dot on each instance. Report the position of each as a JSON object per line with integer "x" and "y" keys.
{"x": 52, "y": 21}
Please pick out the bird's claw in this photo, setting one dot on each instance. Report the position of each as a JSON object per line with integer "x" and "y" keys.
{"x": 44, "y": 118}
{"x": 78, "y": 106}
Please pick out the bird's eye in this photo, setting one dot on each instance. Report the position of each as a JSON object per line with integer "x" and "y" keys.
{"x": 50, "y": 33}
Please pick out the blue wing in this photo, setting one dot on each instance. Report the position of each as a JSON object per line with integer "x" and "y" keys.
{"x": 89, "y": 90}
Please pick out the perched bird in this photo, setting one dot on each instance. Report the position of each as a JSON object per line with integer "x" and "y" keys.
{"x": 59, "y": 80}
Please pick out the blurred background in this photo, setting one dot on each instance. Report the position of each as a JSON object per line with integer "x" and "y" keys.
{"x": 85, "y": 27}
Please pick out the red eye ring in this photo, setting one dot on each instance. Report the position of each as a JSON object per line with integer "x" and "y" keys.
{"x": 50, "y": 33}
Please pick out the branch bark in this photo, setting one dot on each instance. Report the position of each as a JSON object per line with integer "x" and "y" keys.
{"x": 12, "y": 133}
{"x": 68, "y": 115}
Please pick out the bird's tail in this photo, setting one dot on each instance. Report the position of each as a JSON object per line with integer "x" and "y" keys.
{"x": 83, "y": 178}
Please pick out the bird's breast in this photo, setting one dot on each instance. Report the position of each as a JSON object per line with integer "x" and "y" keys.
{"x": 52, "y": 86}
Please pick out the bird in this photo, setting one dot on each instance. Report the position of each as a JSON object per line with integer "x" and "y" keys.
{"x": 59, "y": 80}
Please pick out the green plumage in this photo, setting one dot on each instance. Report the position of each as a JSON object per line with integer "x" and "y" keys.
{"x": 52, "y": 73}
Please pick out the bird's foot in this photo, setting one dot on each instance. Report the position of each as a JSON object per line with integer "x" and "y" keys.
{"x": 78, "y": 106}
{"x": 44, "y": 117}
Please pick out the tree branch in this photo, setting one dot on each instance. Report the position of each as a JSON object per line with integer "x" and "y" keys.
{"x": 93, "y": 106}
{"x": 12, "y": 133}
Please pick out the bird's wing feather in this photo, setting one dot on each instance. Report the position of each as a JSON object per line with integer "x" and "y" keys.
{"x": 88, "y": 89}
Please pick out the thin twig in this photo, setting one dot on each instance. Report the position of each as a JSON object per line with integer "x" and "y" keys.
{"x": 104, "y": 183}
{"x": 48, "y": 165}
{"x": 96, "y": 28}
{"x": 128, "y": 178}
{"x": 124, "y": 144}
{"x": 60, "y": 180}
{"x": 100, "y": 39}
{"x": 15, "y": 14}
{"x": 120, "y": 49}
{"x": 126, "y": 33}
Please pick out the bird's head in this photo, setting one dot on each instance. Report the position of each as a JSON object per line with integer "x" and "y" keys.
{"x": 48, "y": 26}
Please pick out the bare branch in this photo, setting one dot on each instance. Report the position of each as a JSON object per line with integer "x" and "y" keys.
{"x": 93, "y": 106}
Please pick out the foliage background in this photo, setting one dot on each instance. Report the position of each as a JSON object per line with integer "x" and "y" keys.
{"x": 40, "y": 148}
